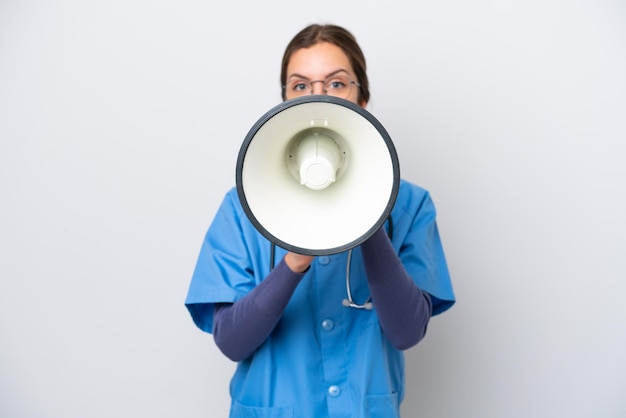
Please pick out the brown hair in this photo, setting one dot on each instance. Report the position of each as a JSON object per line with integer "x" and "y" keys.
{"x": 314, "y": 34}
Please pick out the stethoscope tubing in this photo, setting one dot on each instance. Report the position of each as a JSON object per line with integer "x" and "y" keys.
{"x": 349, "y": 302}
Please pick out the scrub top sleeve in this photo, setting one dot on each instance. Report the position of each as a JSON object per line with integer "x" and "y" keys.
{"x": 423, "y": 257}
{"x": 223, "y": 272}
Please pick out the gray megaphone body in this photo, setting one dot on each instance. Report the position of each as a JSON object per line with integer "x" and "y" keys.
{"x": 317, "y": 175}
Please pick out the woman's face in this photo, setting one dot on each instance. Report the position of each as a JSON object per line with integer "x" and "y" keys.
{"x": 326, "y": 63}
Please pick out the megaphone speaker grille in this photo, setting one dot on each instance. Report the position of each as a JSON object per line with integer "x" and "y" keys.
{"x": 343, "y": 208}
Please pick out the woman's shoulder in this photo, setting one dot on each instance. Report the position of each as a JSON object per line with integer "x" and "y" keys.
{"x": 411, "y": 192}
{"x": 414, "y": 200}
{"x": 231, "y": 198}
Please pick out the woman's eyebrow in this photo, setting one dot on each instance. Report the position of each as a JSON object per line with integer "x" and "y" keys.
{"x": 328, "y": 75}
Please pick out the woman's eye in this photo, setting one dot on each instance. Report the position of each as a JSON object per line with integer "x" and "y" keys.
{"x": 336, "y": 85}
{"x": 299, "y": 87}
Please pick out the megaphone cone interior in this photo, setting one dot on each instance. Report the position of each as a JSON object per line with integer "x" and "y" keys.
{"x": 317, "y": 175}
{"x": 315, "y": 158}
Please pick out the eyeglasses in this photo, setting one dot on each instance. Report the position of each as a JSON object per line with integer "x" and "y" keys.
{"x": 338, "y": 85}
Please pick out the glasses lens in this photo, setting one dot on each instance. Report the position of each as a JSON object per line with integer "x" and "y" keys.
{"x": 297, "y": 87}
{"x": 338, "y": 85}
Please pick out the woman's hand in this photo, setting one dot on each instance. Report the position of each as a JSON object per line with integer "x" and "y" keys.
{"x": 298, "y": 263}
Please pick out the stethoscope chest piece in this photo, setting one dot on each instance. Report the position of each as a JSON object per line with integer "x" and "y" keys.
{"x": 349, "y": 302}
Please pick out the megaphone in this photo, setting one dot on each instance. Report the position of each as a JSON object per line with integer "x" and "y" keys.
{"x": 317, "y": 175}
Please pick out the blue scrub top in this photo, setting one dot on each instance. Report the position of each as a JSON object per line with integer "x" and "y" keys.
{"x": 322, "y": 359}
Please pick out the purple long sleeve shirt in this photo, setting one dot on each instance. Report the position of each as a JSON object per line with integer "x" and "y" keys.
{"x": 403, "y": 309}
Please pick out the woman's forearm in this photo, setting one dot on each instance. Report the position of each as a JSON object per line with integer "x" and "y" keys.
{"x": 403, "y": 309}
{"x": 240, "y": 328}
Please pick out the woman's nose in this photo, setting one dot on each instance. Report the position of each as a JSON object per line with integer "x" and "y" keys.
{"x": 317, "y": 87}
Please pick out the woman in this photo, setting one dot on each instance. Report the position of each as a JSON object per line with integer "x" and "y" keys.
{"x": 301, "y": 352}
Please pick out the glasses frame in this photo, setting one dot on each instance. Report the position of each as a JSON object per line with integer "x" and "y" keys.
{"x": 311, "y": 83}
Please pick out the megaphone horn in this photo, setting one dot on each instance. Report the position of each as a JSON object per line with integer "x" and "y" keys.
{"x": 317, "y": 175}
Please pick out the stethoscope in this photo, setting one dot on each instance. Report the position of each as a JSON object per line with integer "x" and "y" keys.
{"x": 349, "y": 301}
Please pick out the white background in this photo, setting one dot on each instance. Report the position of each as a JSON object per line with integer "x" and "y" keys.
{"x": 120, "y": 123}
